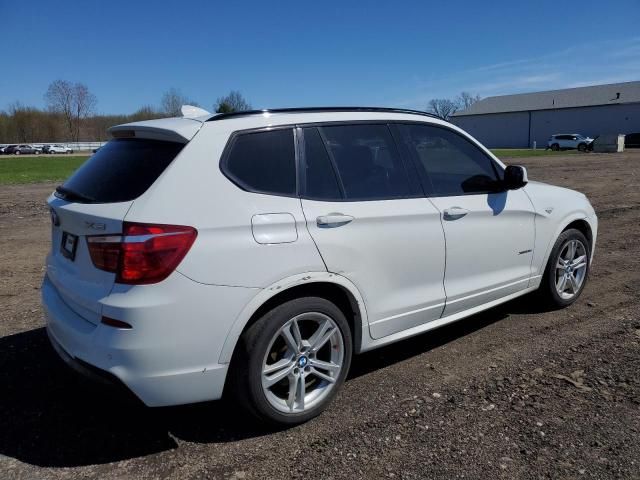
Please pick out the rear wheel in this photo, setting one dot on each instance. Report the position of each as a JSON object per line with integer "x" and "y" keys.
{"x": 567, "y": 269}
{"x": 290, "y": 364}
{"x": 555, "y": 147}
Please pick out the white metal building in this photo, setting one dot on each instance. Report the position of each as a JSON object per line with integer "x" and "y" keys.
{"x": 517, "y": 121}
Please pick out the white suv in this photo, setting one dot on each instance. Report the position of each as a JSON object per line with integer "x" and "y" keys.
{"x": 58, "y": 149}
{"x": 256, "y": 252}
{"x": 567, "y": 141}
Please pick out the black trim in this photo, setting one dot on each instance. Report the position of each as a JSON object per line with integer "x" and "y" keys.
{"x": 248, "y": 113}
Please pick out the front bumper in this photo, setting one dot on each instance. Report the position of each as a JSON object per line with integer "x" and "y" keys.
{"x": 170, "y": 355}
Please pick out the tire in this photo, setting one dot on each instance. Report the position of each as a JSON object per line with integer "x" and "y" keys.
{"x": 37, "y": 152}
{"x": 263, "y": 345}
{"x": 550, "y": 287}
{"x": 582, "y": 147}
{"x": 555, "y": 147}
{"x": 17, "y": 152}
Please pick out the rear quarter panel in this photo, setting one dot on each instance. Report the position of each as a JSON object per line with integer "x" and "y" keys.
{"x": 193, "y": 191}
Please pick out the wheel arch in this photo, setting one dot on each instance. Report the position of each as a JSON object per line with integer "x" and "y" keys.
{"x": 582, "y": 226}
{"x": 333, "y": 287}
{"x": 577, "y": 220}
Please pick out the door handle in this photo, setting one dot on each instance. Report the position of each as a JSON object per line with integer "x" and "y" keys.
{"x": 454, "y": 213}
{"x": 333, "y": 220}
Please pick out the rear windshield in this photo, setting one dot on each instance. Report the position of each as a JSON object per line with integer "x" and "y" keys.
{"x": 120, "y": 171}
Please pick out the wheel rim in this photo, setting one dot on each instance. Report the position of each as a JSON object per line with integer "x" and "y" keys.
{"x": 571, "y": 269}
{"x": 303, "y": 362}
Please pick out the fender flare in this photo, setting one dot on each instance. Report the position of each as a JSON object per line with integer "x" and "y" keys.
{"x": 278, "y": 287}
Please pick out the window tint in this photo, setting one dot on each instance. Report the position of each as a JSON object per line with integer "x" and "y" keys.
{"x": 263, "y": 162}
{"x": 452, "y": 164}
{"x": 122, "y": 170}
{"x": 367, "y": 161}
{"x": 321, "y": 182}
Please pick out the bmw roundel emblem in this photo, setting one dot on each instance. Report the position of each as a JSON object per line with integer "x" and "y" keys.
{"x": 302, "y": 362}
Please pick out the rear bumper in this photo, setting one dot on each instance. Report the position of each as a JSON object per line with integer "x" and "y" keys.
{"x": 166, "y": 358}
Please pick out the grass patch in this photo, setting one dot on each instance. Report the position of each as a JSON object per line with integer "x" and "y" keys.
{"x": 18, "y": 169}
{"x": 527, "y": 152}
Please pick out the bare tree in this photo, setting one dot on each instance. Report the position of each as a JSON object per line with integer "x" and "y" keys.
{"x": 73, "y": 101}
{"x": 84, "y": 105}
{"x": 59, "y": 97}
{"x": 233, "y": 102}
{"x": 172, "y": 102}
{"x": 465, "y": 100}
{"x": 442, "y": 107}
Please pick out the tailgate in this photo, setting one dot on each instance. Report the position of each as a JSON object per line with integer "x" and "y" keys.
{"x": 95, "y": 201}
{"x": 69, "y": 267}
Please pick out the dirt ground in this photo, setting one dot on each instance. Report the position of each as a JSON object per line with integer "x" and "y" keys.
{"x": 514, "y": 392}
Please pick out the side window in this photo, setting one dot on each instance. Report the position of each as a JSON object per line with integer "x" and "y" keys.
{"x": 320, "y": 178}
{"x": 367, "y": 161}
{"x": 451, "y": 163}
{"x": 263, "y": 162}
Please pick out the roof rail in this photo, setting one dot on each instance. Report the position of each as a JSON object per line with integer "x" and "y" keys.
{"x": 246, "y": 113}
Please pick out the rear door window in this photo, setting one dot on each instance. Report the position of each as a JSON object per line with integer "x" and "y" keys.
{"x": 120, "y": 171}
{"x": 263, "y": 162}
{"x": 367, "y": 161}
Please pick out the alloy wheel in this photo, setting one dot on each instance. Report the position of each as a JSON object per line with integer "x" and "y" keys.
{"x": 303, "y": 362}
{"x": 571, "y": 269}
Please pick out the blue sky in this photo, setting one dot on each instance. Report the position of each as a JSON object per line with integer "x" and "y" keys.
{"x": 307, "y": 53}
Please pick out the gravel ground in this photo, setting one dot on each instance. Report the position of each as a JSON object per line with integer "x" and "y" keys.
{"x": 514, "y": 392}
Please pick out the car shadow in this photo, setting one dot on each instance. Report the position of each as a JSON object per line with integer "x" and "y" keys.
{"x": 52, "y": 417}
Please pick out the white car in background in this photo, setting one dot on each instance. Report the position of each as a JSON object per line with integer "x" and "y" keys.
{"x": 58, "y": 149}
{"x": 258, "y": 251}
{"x": 569, "y": 141}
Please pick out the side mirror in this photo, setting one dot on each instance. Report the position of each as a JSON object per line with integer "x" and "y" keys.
{"x": 515, "y": 176}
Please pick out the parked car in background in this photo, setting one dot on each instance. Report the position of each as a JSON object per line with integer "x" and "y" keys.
{"x": 570, "y": 141}
{"x": 23, "y": 149}
{"x": 8, "y": 149}
{"x": 2, "y": 148}
{"x": 330, "y": 239}
{"x": 52, "y": 149}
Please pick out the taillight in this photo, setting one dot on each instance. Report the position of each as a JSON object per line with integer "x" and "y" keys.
{"x": 144, "y": 253}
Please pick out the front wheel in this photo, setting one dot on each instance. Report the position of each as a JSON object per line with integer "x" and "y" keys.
{"x": 567, "y": 269}
{"x": 292, "y": 361}
{"x": 582, "y": 147}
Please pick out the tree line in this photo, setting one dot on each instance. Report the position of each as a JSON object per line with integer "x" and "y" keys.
{"x": 70, "y": 114}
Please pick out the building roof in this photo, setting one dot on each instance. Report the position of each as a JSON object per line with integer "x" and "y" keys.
{"x": 611, "y": 94}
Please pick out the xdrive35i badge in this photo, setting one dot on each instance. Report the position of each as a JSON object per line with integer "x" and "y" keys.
{"x": 95, "y": 225}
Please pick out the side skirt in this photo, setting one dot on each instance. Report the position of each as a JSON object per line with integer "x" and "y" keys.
{"x": 370, "y": 343}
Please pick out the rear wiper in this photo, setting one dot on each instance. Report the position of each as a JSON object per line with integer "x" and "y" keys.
{"x": 71, "y": 195}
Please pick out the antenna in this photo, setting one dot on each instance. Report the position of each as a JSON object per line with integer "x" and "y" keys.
{"x": 189, "y": 111}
